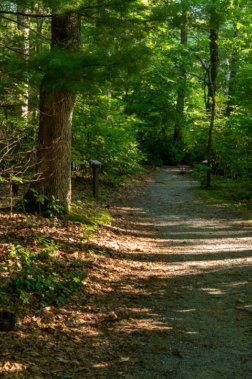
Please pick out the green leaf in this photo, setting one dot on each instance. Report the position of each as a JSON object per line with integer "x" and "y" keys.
{"x": 16, "y": 178}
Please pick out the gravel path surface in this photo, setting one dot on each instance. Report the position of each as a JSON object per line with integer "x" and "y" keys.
{"x": 198, "y": 319}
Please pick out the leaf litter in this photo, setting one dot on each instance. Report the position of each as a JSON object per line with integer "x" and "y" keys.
{"x": 146, "y": 299}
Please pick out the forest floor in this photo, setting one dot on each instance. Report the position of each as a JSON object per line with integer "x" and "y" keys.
{"x": 169, "y": 292}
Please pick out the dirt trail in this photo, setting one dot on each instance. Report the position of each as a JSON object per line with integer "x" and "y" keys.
{"x": 191, "y": 315}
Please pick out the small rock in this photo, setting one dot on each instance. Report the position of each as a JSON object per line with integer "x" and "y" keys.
{"x": 240, "y": 301}
{"x": 7, "y": 321}
{"x": 34, "y": 354}
{"x": 177, "y": 354}
{"x": 112, "y": 316}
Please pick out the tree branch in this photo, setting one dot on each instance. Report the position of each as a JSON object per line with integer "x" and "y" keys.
{"x": 203, "y": 64}
{"x": 23, "y": 25}
{"x": 25, "y": 14}
{"x": 202, "y": 79}
{"x": 45, "y": 15}
{"x": 13, "y": 49}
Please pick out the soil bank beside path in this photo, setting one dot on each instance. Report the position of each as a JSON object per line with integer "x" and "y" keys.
{"x": 187, "y": 300}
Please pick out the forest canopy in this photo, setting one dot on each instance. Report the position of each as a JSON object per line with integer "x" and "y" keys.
{"x": 126, "y": 83}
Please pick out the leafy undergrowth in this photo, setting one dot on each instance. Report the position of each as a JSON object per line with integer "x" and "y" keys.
{"x": 43, "y": 261}
{"x": 38, "y": 277}
{"x": 236, "y": 195}
{"x": 46, "y": 261}
{"x": 60, "y": 283}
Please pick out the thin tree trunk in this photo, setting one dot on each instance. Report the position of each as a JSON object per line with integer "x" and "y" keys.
{"x": 37, "y": 48}
{"x": 211, "y": 96}
{"x": 24, "y": 27}
{"x": 213, "y": 69}
{"x": 233, "y": 64}
{"x": 210, "y": 139}
{"x": 181, "y": 95}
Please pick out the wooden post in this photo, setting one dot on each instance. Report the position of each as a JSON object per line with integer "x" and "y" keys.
{"x": 96, "y": 166}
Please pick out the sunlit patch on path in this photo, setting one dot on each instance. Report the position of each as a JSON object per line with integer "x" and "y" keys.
{"x": 190, "y": 285}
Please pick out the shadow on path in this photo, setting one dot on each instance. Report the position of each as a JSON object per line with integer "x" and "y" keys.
{"x": 182, "y": 309}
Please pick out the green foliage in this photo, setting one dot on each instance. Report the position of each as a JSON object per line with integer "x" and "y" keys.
{"x": 48, "y": 246}
{"x": 55, "y": 207}
{"x": 15, "y": 178}
{"x": 232, "y": 147}
{"x": 41, "y": 204}
{"x": 200, "y": 173}
{"x": 231, "y": 193}
{"x": 36, "y": 278}
{"x": 87, "y": 214}
{"x": 102, "y": 131}
{"x": 17, "y": 154}
{"x": 128, "y": 75}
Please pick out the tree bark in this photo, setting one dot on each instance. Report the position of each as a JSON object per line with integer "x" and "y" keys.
{"x": 57, "y": 99}
{"x": 212, "y": 80}
{"x": 213, "y": 69}
{"x": 181, "y": 95}
{"x": 24, "y": 27}
{"x": 233, "y": 64}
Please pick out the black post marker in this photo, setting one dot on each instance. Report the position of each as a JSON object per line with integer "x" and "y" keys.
{"x": 96, "y": 166}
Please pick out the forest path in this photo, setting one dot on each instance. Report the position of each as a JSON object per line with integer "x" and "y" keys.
{"x": 188, "y": 297}
{"x": 167, "y": 295}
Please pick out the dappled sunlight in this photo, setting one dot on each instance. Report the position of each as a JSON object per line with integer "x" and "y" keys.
{"x": 197, "y": 267}
{"x": 100, "y": 365}
{"x": 148, "y": 324}
{"x": 12, "y": 367}
{"x": 189, "y": 246}
{"x": 128, "y": 209}
{"x": 213, "y": 291}
{"x": 207, "y": 233}
{"x": 215, "y": 250}
{"x": 186, "y": 310}
{"x": 236, "y": 284}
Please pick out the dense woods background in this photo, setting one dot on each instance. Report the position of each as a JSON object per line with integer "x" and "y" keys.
{"x": 127, "y": 83}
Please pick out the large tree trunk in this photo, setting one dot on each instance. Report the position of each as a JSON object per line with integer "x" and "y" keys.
{"x": 52, "y": 188}
{"x": 54, "y": 152}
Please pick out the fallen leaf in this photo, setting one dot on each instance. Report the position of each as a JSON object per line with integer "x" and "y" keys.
{"x": 124, "y": 359}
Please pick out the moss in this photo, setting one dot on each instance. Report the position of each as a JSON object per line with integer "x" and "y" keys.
{"x": 236, "y": 195}
{"x": 88, "y": 214}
